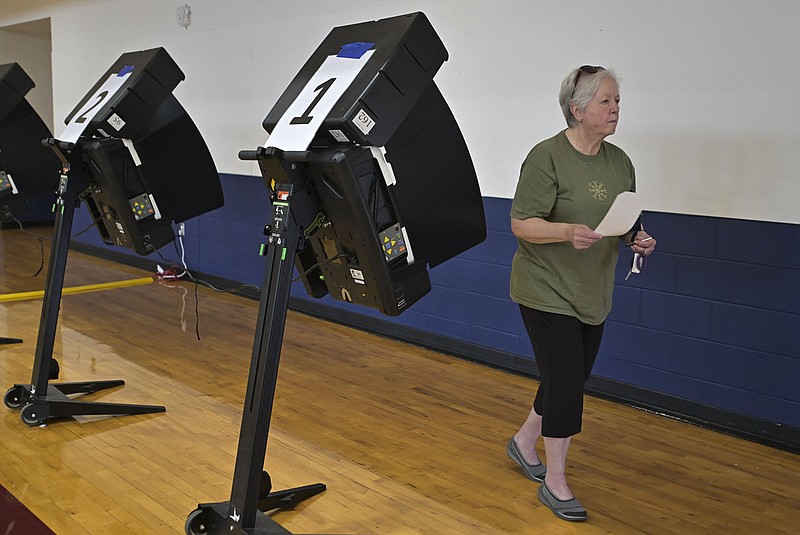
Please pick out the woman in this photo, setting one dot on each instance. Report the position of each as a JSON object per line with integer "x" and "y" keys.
{"x": 562, "y": 275}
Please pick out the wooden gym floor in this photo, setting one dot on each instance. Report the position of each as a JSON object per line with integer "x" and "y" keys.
{"x": 407, "y": 440}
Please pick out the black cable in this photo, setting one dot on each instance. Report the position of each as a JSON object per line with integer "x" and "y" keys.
{"x": 198, "y": 281}
{"x": 192, "y": 278}
{"x": 318, "y": 264}
{"x": 229, "y": 290}
{"x": 375, "y": 192}
{"x": 196, "y": 310}
{"x": 90, "y": 225}
{"x": 38, "y": 238}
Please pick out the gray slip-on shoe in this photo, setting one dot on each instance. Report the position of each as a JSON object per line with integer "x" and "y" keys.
{"x": 570, "y": 510}
{"x": 535, "y": 472}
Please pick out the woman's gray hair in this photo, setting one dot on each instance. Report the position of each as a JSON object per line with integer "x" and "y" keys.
{"x": 588, "y": 84}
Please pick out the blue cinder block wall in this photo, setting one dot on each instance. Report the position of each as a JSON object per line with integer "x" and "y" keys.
{"x": 712, "y": 327}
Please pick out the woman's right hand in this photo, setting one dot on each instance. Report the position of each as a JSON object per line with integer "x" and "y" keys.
{"x": 582, "y": 237}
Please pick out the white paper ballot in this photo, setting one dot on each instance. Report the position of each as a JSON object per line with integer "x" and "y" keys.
{"x": 301, "y": 120}
{"x": 621, "y": 216}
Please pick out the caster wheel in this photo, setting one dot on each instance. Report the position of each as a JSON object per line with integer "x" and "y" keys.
{"x": 196, "y": 522}
{"x": 54, "y": 369}
{"x": 13, "y": 397}
{"x": 29, "y": 417}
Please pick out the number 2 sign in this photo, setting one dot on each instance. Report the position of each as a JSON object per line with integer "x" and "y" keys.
{"x": 299, "y": 123}
{"x": 81, "y": 119}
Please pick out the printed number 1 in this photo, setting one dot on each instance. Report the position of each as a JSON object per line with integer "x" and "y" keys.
{"x": 322, "y": 88}
{"x": 100, "y": 98}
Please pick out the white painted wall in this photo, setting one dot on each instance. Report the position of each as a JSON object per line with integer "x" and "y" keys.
{"x": 708, "y": 113}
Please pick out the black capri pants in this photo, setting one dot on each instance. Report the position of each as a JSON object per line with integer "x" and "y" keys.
{"x": 565, "y": 349}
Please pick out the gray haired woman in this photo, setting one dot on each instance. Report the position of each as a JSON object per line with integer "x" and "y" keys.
{"x": 562, "y": 275}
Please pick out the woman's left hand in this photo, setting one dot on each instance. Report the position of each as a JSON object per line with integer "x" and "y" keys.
{"x": 644, "y": 244}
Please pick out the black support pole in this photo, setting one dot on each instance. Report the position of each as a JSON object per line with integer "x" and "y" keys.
{"x": 251, "y": 489}
{"x": 40, "y": 401}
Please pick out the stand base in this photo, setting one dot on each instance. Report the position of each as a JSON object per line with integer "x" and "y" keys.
{"x": 36, "y": 410}
{"x": 4, "y": 340}
{"x": 213, "y": 519}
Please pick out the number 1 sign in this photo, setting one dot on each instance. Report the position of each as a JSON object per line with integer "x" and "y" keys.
{"x": 301, "y": 120}
{"x": 104, "y": 93}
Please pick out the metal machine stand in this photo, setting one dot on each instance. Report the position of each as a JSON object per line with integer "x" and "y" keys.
{"x": 40, "y": 401}
{"x": 251, "y": 494}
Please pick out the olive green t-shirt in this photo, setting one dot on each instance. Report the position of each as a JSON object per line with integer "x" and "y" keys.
{"x": 559, "y": 184}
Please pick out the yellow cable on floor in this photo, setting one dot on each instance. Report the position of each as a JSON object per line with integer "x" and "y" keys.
{"x": 23, "y": 296}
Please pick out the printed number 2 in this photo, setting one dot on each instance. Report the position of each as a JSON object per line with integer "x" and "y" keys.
{"x": 322, "y": 88}
{"x": 100, "y": 98}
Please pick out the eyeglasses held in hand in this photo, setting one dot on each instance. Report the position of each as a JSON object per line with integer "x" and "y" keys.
{"x": 638, "y": 265}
